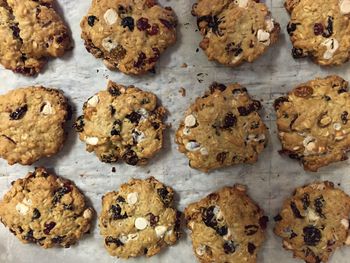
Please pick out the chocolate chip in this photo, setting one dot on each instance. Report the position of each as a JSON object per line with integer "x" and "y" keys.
{"x": 279, "y": 101}
{"x": 298, "y": 53}
{"x": 134, "y": 117}
{"x": 318, "y": 29}
{"x": 344, "y": 117}
{"x": 251, "y": 248}
{"x": 220, "y": 157}
{"x": 91, "y": 20}
{"x": 250, "y": 230}
{"x": 278, "y": 218}
{"x": 166, "y": 23}
{"x": 263, "y": 222}
{"x": 312, "y": 235}
{"x": 306, "y": 201}
{"x": 222, "y": 231}
{"x": 116, "y": 212}
{"x": 36, "y": 214}
{"x": 111, "y": 240}
{"x": 295, "y": 210}
{"x": 217, "y": 86}
{"x": 130, "y": 157}
{"x": 128, "y": 21}
{"x": 229, "y": 121}
{"x": 19, "y": 113}
{"x": 48, "y": 227}
{"x": 229, "y": 247}
{"x": 291, "y": 27}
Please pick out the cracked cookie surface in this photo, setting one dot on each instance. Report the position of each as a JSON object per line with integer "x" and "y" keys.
{"x": 320, "y": 29}
{"x": 222, "y": 128}
{"x": 31, "y": 124}
{"x": 45, "y": 209}
{"x": 226, "y": 226}
{"x": 128, "y": 35}
{"x": 139, "y": 219}
{"x": 122, "y": 123}
{"x": 312, "y": 122}
{"x": 314, "y": 222}
{"x": 235, "y": 31}
{"x": 31, "y": 32}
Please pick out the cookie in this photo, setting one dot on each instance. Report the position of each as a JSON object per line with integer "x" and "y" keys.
{"x": 31, "y": 124}
{"x": 122, "y": 123}
{"x": 31, "y": 31}
{"x": 312, "y": 122}
{"x": 45, "y": 209}
{"x": 139, "y": 219}
{"x": 235, "y": 31}
{"x": 128, "y": 35}
{"x": 226, "y": 226}
{"x": 320, "y": 30}
{"x": 222, "y": 128}
{"x": 314, "y": 222}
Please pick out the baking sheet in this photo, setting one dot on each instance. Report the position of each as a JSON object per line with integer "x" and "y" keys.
{"x": 270, "y": 180}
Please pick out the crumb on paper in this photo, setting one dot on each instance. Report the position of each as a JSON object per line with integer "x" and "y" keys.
{"x": 182, "y": 91}
{"x": 113, "y": 169}
{"x": 184, "y": 65}
{"x": 169, "y": 125}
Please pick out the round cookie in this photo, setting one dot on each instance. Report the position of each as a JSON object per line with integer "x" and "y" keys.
{"x": 222, "y": 128}
{"x": 312, "y": 122}
{"x": 235, "y": 31}
{"x": 31, "y": 31}
{"x": 31, "y": 124}
{"x": 122, "y": 122}
{"x": 314, "y": 222}
{"x": 320, "y": 29}
{"x": 128, "y": 35}
{"x": 139, "y": 219}
{"x": 45, "y": 209}
{"x": 226, "y": 226}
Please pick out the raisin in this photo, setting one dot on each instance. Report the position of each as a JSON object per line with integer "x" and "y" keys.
{"x": 156, "y": 55}
{"x": 217, "y": 86}
{"x": 278, "y": 218}
{"x": 306, "y": 201}
{"x": 15, "y": 31}
{"x": 229, "y": 121}
{"x": 120, "y": 199}
{"x": 239, "y": 91}
{"x": 292, "y": 235}
{"x": 303, "y": 91}
{"x": 298, "y": 53}
{"x": 112, "y": 240}
{"x": 263, "y": 222}
{"x": 18, "y": 113}
{"x": 58, "y": 239}
{"x": 48, "y": 227}
{"x": 164, "y": 195}
{"x": 329, "y": 28}
{"x": 222, "y": 231}
{"x": 166, "y": 23}
{"x": 140, "y": 60}
{"x": 279, "y": 101}
{"x": 60, "y": 192}
{"x": 128, "y": 21}
{"x": 114, "y": 91}
{"x": 231, "y": 48}
{"x": 312, "y": 235}
{"x": 130, "y": 157}
{"x": 319, "y": 203}
{"x": 212, "y": 22}
{"x": 250, "y": 230}
{"x": 208, "y": 217}
{"x": 29, "y": 236}
{"x": 155, "y": 125}
{"x": 251, "y": 248}
{"x": 116, "y": 212}
{"x": 291, "y": 27}
{"x": 318, "y": 29}
{"x": 154, "y": 30}
{"x": 134, "y": 117}
{"x": 229, "y": 247}
{"x": 91, "y": 20}
{"x": 112, "y": 110}
{"x": 116, "y": 128}
{"x": 295, "y": 210}
{"x": 79, "y": 124}
{"x": 142, "y": 24}
{"x": 344, "y": 117}
{"x": 153, "y": 219}
{"x": 36, "y": 214}
{"x": 245, "y": 111}
{"x": 220, "y": 157}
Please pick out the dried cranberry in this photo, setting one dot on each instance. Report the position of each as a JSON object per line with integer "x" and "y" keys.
{"x": 295, "y": 210}
{"x": 19, "y": 113}
{"x": 154, "y": 30}
{"x": 250, "y": 230}
{"x": 128, "y": 21}
{"x": 79, "y": 124}
{"x": 220, "y": 157}
{"x": 344, "y": 117}
{"x": 278, "y": 102}
{"x": 263, "y": 222}
{"x": 251, "y": 248}
{"x": 229, "y": 121}
{"x": 140, "y": 60}
{"x": 291, "y": 27}
{"x": 229, "y": 247}
{"x": 112, "y": 240}
{"x": 116, "y": 212}
{"x": 166, "y": 23}
{"x": 312, "y": 235}
{"x": 156, "y": 55}
{"x": 130, "y": 157}
{"x": 318, "y": 29}
{"x": 48, "y": 227}
{"x": 91, "y": 20}
{"x": 142, "y": 24}
{"x": 133, "y": 117}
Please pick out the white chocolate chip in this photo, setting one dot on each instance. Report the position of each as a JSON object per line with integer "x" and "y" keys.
{"x": 47, "y": 109}
{"x": 344, "y": 6}
{"x": 144, "y": 114}
{"x": 91, "y": 140}
{"x": 309, "y": 143}
{"x": 93, "y": 101}
{"x": 200, "y": 250}
{"x": 203, "y": 151}
{"x": 192, "y": 146}
{"x": 241, "y": 3}
{"x": 22, "y": 208}
{"x": 186, "y": 131}
{"x": 190, "y": 121}
{"x": 109, "y": 44}
{"x": 110, "y": 16}
{"x": 87, "y": 213}
{"x": 263, "y": 37}
{"x": 132, "y": 198}
{"x": 270, "y": 25}
{"x": 138, "y": 136}
{"x": 332, "y": 45}
{"x": 345, "y": 223}
{"x": 160, "y": 231}
{"x": 124, "y": 239}
{"x": 337, "y": 126}
{"x": 312, "y": 216}
{"x": 141, "y": 223}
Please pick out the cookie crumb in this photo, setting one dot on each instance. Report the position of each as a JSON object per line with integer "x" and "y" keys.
{"x": 184, "y": 65}
{"x": 182, "y": 91}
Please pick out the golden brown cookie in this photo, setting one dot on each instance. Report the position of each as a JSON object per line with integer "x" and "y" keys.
{"x": 320, "y": 29}
{"x": 235, "y": 31}
{"x": 312, "y": 122}
{"x": 222, "y": 128}
{"x": 45, "y": 209}
{"x": 128, "y": 35}
{"x": 314, "y": 222}
{"x": 139, "y": 219}
{"x": 226, "y": 226}
{"x": 31, "y": 124}
{"x": 31, "y": 32}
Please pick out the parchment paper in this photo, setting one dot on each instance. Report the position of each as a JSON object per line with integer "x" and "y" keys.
{"x": 270, "y": 180}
